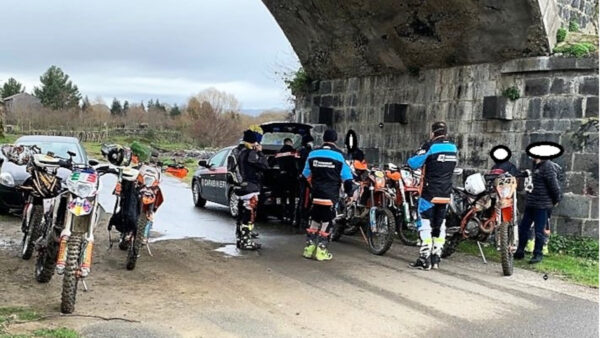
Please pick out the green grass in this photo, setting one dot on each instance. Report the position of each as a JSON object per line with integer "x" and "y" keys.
{"x": 8, "y": 138}
{"x": 62, "y": 332}
{"x": 578, "y": 270}
{"x": 578, "y": 50}
{"x": 17, "y": 313}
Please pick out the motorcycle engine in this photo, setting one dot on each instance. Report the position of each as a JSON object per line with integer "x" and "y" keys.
{"x": 472, "y": 227}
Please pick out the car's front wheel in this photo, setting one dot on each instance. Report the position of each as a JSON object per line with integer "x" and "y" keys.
{"x": 198, "y": 200}
{"x": 233, "y": 205}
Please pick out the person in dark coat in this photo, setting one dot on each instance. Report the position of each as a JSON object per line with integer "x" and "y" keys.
{"x": 501, "y": 155}
{"x": 288, "y": 177}
{"x": 545, "y": 195}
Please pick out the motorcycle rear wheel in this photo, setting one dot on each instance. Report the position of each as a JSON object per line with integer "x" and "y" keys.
{"x": 46, "y": 261}
{"x": 407, "y": 236}
{"x": 70, "y": 279}
{"x": 381, "y": 241}
{"x": 33, "y": 232}
{"x": 505, "y": 235}
{"x": 451, "y": 245}
{"x": 134, "y": 248}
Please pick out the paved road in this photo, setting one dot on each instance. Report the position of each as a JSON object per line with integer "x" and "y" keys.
{"x": 199, "y": 291}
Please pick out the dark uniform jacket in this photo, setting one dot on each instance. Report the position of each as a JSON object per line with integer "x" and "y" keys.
{"x": 546, "y": 190}
{"x": 252, "y": 164}
{"x": 286, "y": 158}
{"x": 439, "y": 158}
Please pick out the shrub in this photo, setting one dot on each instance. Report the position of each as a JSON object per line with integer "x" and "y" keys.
{"x": 561, "y": 34}
{"x": 576, "y": 50}
{"x": 298, "y": 82}
{"x": 573, "y": 26}
{"x": 512, "y": 93}
{"x": 583, "y": 247}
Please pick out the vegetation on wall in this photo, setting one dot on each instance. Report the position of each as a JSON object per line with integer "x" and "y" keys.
{"x": 298, "y": 82}
{"x": 561, "y": 35}
{"x": 512, "y": 93}
{"x": 577, "y": 50}
{"x": 573, "y": 26}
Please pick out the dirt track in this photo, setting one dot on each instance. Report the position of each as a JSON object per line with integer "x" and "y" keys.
{"x": 189, "y": 289}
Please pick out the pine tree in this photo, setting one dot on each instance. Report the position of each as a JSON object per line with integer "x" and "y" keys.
{"x": 57, "y": 91}
{"x": 125, "y": 107}
{"x": 86, "y": 105}
{"x": 10, "y": 88}
{"x": 116, "y": 109}
{"x": 174, "y": 112}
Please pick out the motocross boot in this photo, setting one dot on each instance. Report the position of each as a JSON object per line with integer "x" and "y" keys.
{"x": 436, "y": 252}
{"x": 245, "y": 241}
{"x": 311, "y": 246}
{"x": 323, "y": 253}
{"x": 529, "y": 246}
{"x": 424, "y": 260}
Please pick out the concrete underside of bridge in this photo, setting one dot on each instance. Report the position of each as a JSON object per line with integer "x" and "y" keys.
{"x": 355, "y": 38}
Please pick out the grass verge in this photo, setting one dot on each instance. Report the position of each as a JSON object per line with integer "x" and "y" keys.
{"x": 9, "y": 314}
{"x": 581, "y": 271}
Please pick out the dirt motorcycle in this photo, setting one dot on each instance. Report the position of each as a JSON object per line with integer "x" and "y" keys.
{"x": 138, "y": 197}
{"x": 405, "y": 185}
{"x": 368, "y": 211}
{"x": 486, "y": 207}
{"x": 76, "y": 243}
{"x": 39, "y": 189}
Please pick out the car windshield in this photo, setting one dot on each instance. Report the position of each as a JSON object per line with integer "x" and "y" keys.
{"x": 59, "y": 149}
{"x": 277, "y": 138}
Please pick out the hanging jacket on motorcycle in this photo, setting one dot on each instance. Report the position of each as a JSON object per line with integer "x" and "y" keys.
{"x": 252, "y": 164}
{"x": 326, "y": 169}
{"x": 126, "y": 218}
{"x": 439, "y": 158}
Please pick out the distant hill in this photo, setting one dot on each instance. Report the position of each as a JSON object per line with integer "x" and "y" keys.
{"x": 256, "y": 112}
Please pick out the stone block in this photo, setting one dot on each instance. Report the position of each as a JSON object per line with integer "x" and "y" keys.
{"x": 574, "y": 183}
{"x": 351, "y": 100}
{"x": 587, "y": 63}
{"x": 574, "y": 206}
{"x": 590, "y": 228}
{"x": 585, "y": 162}
{"x": 589, "y": 86}
{"x": 339, "y": 86}
{"x": 561, "y": 86}
{"x": 591, "y": 106}
{"x": 555, "y": 125}
{"x": 353, "y": 84}
{"x": 569, "y": 226}
{"x": 563, "y": 108}
{"x": 327, "y": 101}
{"x": 338, "y": 116}
{"x": 534, "y": 109}
{"x": 537, "y": 87}
{"x": 562, "y": 63}
{"x": 594, "y": 211}
{"x": 591, "y": 183}
{"x": 325, "y": 87}
{"x": 354, "y": 115}
{"x": 316, "y": 100}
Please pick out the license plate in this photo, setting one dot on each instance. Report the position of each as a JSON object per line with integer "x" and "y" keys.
{"x": 80, "y": 207}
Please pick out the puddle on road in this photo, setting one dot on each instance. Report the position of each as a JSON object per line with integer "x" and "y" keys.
{"x": 229, "y": 250}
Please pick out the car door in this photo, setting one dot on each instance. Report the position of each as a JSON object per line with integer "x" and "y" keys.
{"x": 221, "y": 180}
{"x": 208, "y": 180}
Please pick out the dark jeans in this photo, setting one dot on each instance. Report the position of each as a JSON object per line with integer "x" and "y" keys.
{"x": 540, "y": 218}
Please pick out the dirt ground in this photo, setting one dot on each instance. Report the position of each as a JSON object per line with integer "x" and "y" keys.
{"x": 188, "y": 289}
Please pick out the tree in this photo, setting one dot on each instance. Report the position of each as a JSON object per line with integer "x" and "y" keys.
{"x": 10, "y": 88}
{"x": 116, "y": 108}
{"x": 125, "y": 107}
{"x": 85, "y": 104}
{"x": 57, "y": 91}
{"x": 174, "y": 112}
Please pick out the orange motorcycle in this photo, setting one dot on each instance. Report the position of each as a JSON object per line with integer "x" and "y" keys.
{"x": 405, "y": 185}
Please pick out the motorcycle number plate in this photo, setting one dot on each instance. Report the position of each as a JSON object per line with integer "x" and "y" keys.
{"x": 80, "y": 207}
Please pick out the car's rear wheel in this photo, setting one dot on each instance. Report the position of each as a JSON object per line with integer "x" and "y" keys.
{"x": 198, "y": 200}
{"x": 233, "y": 204}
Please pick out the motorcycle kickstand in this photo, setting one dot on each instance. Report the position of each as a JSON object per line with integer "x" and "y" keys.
{"x": 148, "y": 248}
{"x": 85, "y": 287}
{"x": 481, "y": 252}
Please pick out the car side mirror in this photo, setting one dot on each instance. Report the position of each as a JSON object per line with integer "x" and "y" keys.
{"x": 93, "y": 162}
{"x": 203, "y": 163}
{"x": 72, "y": 154}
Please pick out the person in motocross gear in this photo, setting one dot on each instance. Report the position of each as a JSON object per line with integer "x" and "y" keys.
{"x": 545, "y": 195}
{"x": 501, "y": 155}
{"x": 252, "y": 164}
{"x": 325, "y": 170}
{"x": 438, "y": 158}
{"x": 288, "y": 177}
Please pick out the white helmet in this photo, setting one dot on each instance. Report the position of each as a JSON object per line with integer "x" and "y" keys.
{"x": 475, "y": 184}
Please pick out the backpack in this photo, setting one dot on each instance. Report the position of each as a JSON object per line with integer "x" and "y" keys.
{"x": 234, "y": 172}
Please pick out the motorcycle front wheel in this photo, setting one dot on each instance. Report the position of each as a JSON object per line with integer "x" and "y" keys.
{"x": 46, "y": 261}
{"x": 451, "y": 245}
{"x": 408, "y": 235}
{"x": 70, "y": 279}
{"x": 381, "y": 240}
{"x": 505, "y": 238}
{"x": 134, "y": 248}
{"x": 33, "y": 231}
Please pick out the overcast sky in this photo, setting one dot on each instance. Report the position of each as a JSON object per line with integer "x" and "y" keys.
{"x": 141, "y": 49}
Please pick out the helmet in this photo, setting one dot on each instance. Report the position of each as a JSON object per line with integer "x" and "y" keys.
{"x": 117, "y": 154}
{"x": 392, "y": 167}
{"x": 475, "y": 184}
{"x": 439, "y": 128}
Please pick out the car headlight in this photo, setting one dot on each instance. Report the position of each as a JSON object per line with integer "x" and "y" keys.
{"x": 82, "y": 189}
{"x": 7, "y": 179}
{"x": 505, "y": 192}
{"x": 148, "y": 181}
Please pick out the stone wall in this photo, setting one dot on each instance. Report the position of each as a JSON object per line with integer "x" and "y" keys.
{"x": 584, "y": 12}
{"x": 558, "y": 101}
